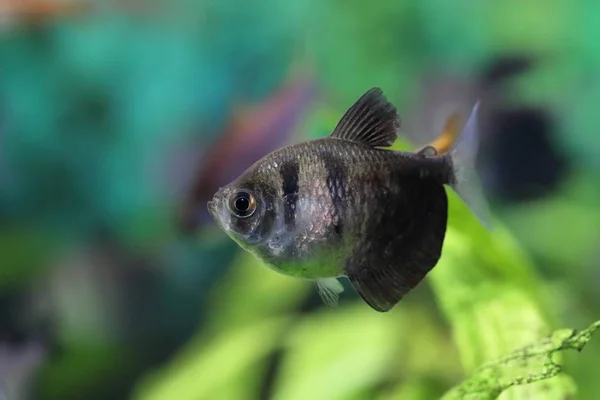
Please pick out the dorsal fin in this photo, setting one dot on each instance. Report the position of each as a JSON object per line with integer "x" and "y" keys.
{"x": 372, "y": 120}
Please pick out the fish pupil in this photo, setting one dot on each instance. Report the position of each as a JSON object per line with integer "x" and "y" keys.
{"x": 242, "y": 204}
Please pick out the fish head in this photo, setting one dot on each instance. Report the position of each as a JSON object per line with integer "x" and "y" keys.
{"x": 245, "y": 210}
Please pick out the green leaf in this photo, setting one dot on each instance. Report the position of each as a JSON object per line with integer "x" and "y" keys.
{"x": 205, "y": 367}
{"x": 526, "y": 366}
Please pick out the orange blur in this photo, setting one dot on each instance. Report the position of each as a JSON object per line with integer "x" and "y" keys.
{"x": 449, "y": 135}
{"x": 40, "y": 8}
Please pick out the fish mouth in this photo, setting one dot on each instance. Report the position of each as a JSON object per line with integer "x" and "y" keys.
{"x": 212, "y": 206}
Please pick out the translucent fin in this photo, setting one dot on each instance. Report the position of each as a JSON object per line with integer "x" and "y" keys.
{"x": 466, "y": 183}
{"x": 329, "y": 289}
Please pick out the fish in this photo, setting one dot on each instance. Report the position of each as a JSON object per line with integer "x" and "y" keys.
{"x": 348, "y": 206}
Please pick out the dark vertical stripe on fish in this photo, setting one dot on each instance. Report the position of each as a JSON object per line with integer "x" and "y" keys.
{"x": 339, "y": 191}
{"x": 289, "y": 172}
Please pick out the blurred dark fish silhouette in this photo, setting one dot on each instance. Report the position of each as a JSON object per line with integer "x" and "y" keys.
{"x": 442, "y": 93}
{"x": 343, "y": 206}
{"x": 516, "y": 174}
{"x": 509, "y": 173}
{"x": 252, "y": 133}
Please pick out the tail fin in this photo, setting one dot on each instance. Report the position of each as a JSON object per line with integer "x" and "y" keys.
{"x": 466, "y": 182}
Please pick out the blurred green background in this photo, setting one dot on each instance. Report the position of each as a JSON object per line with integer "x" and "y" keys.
{"x": 120, "y": 119}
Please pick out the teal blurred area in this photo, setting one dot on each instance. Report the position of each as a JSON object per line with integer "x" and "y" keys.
{"x": 120, "y": 119}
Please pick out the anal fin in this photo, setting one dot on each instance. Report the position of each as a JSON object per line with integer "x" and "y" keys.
{"x": 401, "y": 246}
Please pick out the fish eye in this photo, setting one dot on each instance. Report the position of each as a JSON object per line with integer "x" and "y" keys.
{"x": 242, "y": 204}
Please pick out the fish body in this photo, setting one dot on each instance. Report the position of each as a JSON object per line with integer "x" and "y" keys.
{"x": 344, "y": 206}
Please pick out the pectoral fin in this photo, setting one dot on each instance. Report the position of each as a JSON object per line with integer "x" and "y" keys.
{"x": 329, "y": 290}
